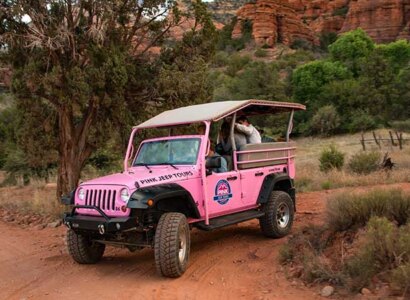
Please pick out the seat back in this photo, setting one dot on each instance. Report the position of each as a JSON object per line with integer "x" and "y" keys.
{"x": 252, "y": 158}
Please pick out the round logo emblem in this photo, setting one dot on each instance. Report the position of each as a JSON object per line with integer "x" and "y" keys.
{"x": 222, "y": 192}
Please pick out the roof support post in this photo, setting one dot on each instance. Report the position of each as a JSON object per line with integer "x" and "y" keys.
{"x": 290, "y": 125}
{"x": 232, "y": 132}
{"x": 233, "y": 144}
{"x": 288, "y": 131}
{"x": 202, "y": 159}
{"x": 129, "y": 148}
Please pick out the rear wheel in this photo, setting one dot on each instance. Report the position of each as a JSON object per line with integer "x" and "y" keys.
{"x": 279, "y": 212}
{"x": 82, "y": 249}
{"x": 172, "y": 245}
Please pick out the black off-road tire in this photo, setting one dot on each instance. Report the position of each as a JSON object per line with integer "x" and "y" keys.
{"x": 279, "y": 212}
{"x": 82, "y": 249}
{"x": 172, "y": 245}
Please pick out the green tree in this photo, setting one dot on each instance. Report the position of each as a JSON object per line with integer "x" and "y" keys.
{"x": 88, "y": 64}
{"x": 309, "y": 79}
{"x": 400, "y": 107}
{"x": 377, "y": 85}
{"x": 344, "y": 95}
{"x": 351, "y": 48}
{"x": 257, "y": 80}
{"x": 397, "y": 53}
{"x": 326, "y": 39}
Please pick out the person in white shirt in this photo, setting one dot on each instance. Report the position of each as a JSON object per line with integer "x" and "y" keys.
{"x": 252, "y": 134}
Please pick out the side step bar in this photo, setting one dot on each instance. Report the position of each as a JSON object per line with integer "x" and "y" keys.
{"x": 227, "y": 220}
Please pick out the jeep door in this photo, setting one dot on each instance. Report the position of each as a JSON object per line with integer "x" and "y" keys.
{"x": 224, "y": 193}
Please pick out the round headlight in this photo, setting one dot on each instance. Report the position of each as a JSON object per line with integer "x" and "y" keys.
{"x": 81, "y": 194}
{"x": 124, "y": 195}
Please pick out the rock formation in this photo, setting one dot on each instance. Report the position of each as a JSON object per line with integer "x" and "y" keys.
{"x": 322, "y": 15}
{"x": 287, "y": 20}
{"x": 272, "y": 22}
{"x": 383, "y": 20}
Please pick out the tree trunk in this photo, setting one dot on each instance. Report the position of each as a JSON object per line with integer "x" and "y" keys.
{"x": 73, "y": 151}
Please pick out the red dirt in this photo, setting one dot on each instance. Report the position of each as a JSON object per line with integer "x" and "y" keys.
{"x": 231, "y": 263}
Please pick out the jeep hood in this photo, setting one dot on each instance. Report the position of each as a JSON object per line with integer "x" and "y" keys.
{"x": 143, "y": 177}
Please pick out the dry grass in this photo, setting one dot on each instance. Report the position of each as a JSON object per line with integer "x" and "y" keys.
{"x": 34, "y": 199}
{"x": 310, "y": 178}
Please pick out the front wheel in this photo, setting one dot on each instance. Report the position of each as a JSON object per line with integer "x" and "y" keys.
{"x": 279, "y": 212}
{"x": 82, "y": 249}
{"x": 172, "y": 245}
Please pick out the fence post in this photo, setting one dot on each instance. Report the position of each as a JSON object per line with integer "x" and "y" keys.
{"x": 363, "y": 143}
{"x": 401, "y": 141}
{"x": 376, "y": 140}
{"x": 392, "y": 138}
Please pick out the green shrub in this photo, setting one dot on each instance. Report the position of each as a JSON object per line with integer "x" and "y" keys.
{"x": 225, "y": 41}
{"x": 361, "y": 120}
{"x": 301, "y": 44}
{"x": 401, "y": 125}
{"x": 364, "y": 162}
{"x": 236, "y": 63}
{"x": 331, "y": 158}
{"x": 346, "y": 211}
{"x": 359, "y": 270}
{"x": 326, "y": 185}
{"x": 381, "y": 251}
{"x": 261, "y": 53}
{"x": 286, "y": 253}
{"x": 325, "y": 121}
{"x": 303, "y": 184}
{"x": 387, "y": 249}
{"x": 400, "y": 277}
{"x": 221, "y": 59}
{"x": 326, "y": 39}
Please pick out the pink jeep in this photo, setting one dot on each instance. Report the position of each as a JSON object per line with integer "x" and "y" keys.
{"x": 170, "y": 184}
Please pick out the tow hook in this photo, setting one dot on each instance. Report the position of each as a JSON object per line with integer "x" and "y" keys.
{"x": 101, "y": 229}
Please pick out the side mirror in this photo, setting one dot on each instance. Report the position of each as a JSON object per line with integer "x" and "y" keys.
{"x": 213, "y": 162}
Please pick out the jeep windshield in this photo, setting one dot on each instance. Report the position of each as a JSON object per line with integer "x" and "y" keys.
{"x": 168, "y": 152}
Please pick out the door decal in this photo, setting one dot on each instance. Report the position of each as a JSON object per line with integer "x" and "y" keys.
{"x": 222, "y": 192}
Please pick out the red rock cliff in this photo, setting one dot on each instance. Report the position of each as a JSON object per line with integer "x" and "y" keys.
{"x": 287, "y": 20}
{"x": 272, "y": 22}
{"x": 383, "y": 20}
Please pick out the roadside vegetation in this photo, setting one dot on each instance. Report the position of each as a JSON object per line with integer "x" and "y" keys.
{"x": 363, "y": 243}
{"x": 345, "y": 164}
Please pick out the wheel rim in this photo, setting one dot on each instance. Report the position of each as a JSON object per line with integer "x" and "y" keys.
{"x": 182, "y": 245}
{"x": 283, "y": 215}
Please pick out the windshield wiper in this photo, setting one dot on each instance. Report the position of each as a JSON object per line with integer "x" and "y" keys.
{"x": 165, "y": 163}
{"x": 142, "y": 164}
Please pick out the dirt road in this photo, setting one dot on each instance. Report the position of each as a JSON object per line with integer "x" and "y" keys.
{"x": 231, "y": 263}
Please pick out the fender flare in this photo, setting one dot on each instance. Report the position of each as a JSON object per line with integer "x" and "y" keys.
{"x": 277, "y": 181}
{"x": 163, "y": 193}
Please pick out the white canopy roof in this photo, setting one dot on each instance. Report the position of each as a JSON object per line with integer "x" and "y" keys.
{"x": 217, "y": 110}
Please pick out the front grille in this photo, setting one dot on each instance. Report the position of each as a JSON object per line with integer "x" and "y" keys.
{"x": 104, "y": 199}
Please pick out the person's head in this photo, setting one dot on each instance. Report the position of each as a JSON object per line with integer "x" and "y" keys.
{"x": 243, "y": 120}
{"x": 201, "y": 129}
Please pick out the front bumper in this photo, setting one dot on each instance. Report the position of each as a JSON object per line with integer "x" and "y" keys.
{"x": 98, "y": 224}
